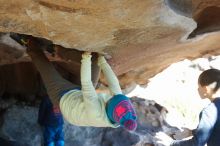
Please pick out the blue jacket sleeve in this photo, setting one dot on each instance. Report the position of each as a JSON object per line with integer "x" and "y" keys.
{"x": 208, "y": 118}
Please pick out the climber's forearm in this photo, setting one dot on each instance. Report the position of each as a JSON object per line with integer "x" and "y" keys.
{"x": 95, "y": 72}
{"x": 85, "y": 70}
{"x": 88, "y": 90}
{"x": 110, "y": 76}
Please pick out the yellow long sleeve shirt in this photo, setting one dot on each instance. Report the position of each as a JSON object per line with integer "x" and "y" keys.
{"x": 85, "y": 107}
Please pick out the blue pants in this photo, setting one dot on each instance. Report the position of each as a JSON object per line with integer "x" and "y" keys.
{"x": 53, "y": 136}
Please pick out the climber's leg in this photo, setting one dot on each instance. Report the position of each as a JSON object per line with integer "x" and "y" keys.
{"x": 54, "y": 83}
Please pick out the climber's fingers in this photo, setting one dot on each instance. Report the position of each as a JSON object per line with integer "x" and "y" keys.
{"x": 87, "y": 53}
{"x": 106, "y": 55}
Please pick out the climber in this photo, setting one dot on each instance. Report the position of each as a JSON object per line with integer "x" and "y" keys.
{"x": 82, "y": 106}
{"x": 208, "y": 129}
{"x": 51, "y": 120}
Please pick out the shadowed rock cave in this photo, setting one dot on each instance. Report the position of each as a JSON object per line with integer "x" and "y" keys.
{"x": 22, "y": 90}
{"x": 128, "y": 32}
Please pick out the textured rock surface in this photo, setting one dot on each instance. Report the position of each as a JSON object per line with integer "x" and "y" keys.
{"x": 86, "y": 24}
{"x": 143, "y": 37}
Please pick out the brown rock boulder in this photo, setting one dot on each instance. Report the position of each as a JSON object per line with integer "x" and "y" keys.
{"x": 143, "y": 37}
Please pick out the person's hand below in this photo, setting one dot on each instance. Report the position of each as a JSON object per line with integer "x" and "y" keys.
{"x": 185, "y": 132}
{"x": 163, "y": 139}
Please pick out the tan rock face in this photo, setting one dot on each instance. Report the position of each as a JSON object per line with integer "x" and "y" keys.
{"x": 82, "y": 24}
{"x": 143, "y": 37}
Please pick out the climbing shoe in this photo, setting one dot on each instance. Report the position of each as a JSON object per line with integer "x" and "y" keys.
{"x": 20, "y": 38}
{"x": 23, "y": 40}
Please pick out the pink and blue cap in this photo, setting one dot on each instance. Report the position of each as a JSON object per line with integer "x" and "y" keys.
{"x": 120, "y": 110}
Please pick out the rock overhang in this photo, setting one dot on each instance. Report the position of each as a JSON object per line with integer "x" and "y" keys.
{"x": 143, "y": 37}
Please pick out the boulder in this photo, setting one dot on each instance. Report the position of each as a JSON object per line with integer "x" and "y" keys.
{"x": 143, "y": 37}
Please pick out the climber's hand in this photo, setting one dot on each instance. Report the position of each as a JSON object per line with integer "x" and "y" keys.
{"x": 86, "y": 53}
{"x": 106, "y": 55}
{"x": 102, "y": 53}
